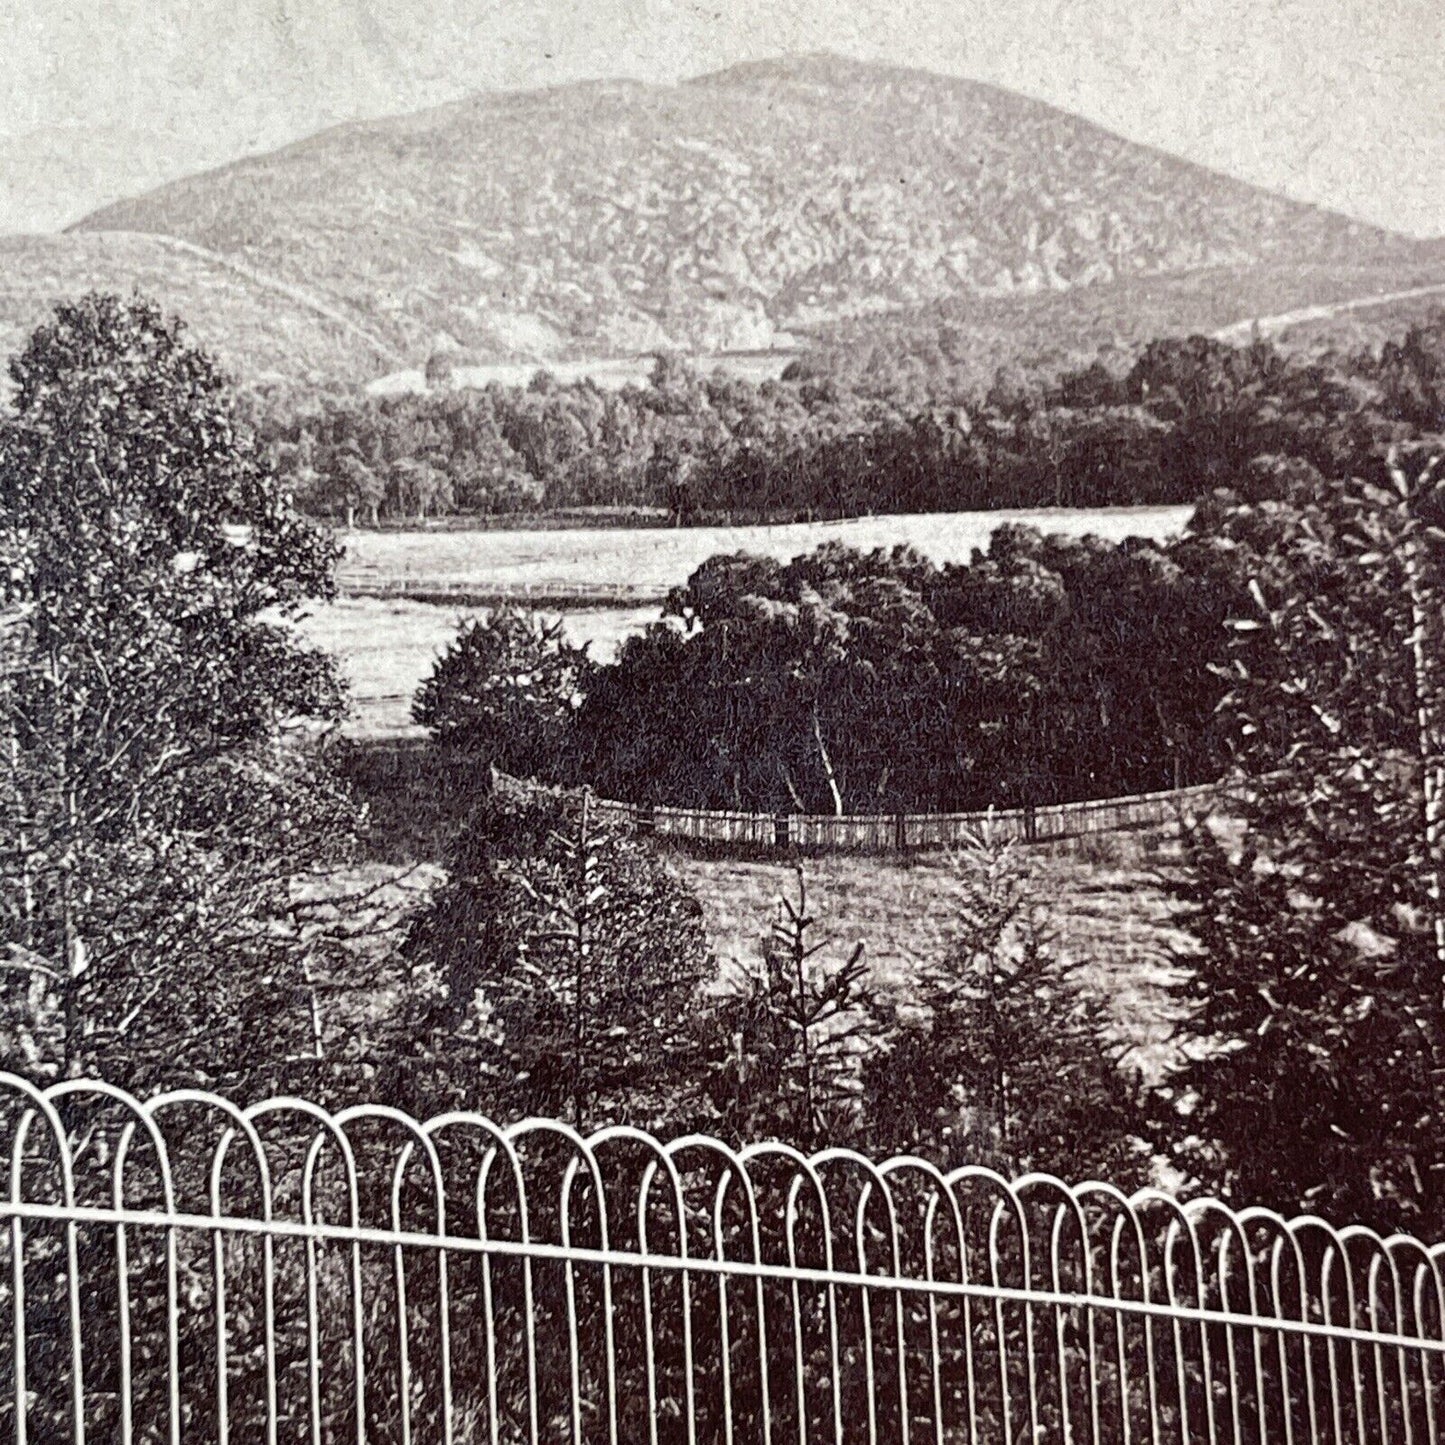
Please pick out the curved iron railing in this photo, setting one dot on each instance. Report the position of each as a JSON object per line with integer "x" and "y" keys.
{"x": 185, "y": 1269}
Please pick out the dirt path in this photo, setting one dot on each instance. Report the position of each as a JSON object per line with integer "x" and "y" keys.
{"x": 285, "y": 288}
{"x": 1242, "y": 330}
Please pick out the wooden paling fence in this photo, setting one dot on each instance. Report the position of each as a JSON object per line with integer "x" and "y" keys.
{"x": 478, "y": 592}
{"x": 908, "y": 832}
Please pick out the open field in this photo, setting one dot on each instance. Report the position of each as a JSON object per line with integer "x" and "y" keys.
{"x": 387, "y": 646}
{"x": 608, "y": 373}
{"x": 653, "y": 559}
{"x": 1103, "y": 906}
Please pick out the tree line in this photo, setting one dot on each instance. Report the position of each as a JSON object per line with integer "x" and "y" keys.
{"x": 1161, "y": 427}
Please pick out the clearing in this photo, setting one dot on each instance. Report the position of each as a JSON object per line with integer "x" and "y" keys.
{"x": 1102, "y": 903}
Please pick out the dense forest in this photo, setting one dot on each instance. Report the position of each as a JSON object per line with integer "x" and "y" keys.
{"x": 891, "y": 434}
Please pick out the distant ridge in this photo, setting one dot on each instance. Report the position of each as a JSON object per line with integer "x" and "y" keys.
{"x": 740, "y": 210}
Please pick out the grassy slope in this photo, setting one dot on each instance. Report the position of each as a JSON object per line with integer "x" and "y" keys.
{"x": 1060, "y": 330}
{"x": 259, "y": 333}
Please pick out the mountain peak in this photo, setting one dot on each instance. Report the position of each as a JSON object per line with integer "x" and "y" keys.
{"x": 732, "y": 211}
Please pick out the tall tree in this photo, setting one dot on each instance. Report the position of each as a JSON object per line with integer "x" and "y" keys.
{"x": 1317, "y": 1030}
{"x": 161, "y": 788}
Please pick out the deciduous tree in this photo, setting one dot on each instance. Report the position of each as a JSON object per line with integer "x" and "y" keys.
{"x": 161, "y": 788}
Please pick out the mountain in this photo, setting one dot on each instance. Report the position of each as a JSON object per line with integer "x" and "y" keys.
{"x": 741, "y": 210}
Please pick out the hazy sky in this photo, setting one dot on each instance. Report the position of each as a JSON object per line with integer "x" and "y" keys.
{"x": 1334, "y": 101}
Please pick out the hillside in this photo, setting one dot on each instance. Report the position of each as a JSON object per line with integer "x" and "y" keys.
{"x": 741, "y": 210}
{"x": 261, "y": 331}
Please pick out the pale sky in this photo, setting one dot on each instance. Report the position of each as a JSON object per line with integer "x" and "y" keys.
{"x": 1332, "y": 101}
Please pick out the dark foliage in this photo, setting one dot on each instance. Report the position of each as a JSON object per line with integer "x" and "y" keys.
{"x": 1164, "y": 427}
{"x": 879, "y": 683}
{"x": 1316, "y": 1027}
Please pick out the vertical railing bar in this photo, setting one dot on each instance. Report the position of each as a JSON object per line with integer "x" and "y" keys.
{"x": 970, "y": 1372}
{"x": 489, "y": 1314}
{"x": 218, "y": 1294}
{"x": 1396, "y": 1315}
{"x": 895, "y": 1260}
{"x": 1074, "y": 1204}
{"x": 649, "y": 1346}
{"x": 239, "y": 1123}
{"x": 313, "y": 1323}
{"x": 735, "y": 1168}
{"x": 1121, "y": 1352}
{"x": 17, "y": 1288}
{"x": 403, "y": 1329}
{"x": 1061, "y": 1358}
{"x": 583, "y": 1148}
{"x": 444, "y": 1322}
{"x": 725, "y": 1345}
{"x": 1231, "y": 1347}
{"x": 574, "y": 1344}
{"x": 1235, "y": 1231}
{"x": 1339, "y": 1251}
{"x": 800, "y": 1371}
{"x": 77, "y": 1360}
{"x": 865, "y": 1304}
{"x": 122, "y": 1291}
{"x": 44, "y": 1107}
{"x": 689, "y": 1363}
{"x": 328, "y": 1127}
{"x": 172, "y": 1268}
{"x": 1281, "y": 1344}
{"x": 934, "y": 1341}
{"x": 1001, "y": 1330}
{"x": 1277, "y": 1289}
{"x": 1423, "y": 1271}
{"x": 1173, "y": 1234}
{"x": 268, "y": 1330}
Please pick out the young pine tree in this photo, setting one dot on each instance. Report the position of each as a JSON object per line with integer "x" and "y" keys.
{"x": 1009, "y": 1061}
{"x": 557, "y": 971}
{"x": 791, "y": 1037}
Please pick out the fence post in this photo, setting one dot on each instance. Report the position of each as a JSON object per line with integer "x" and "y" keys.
{"x": 645, "y": 819}
{"x": 780, "y": 831}
{"x": 1031, "y": 827}
{"x": 900, "y": 832}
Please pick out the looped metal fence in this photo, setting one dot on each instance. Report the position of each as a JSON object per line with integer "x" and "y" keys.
{"x": 186, "y": 1270}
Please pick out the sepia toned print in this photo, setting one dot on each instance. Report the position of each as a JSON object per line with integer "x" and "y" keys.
{"x": 722, "y": 726}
